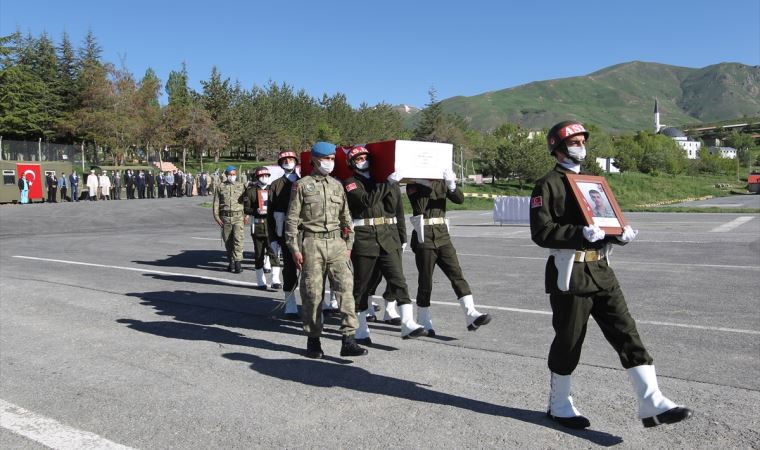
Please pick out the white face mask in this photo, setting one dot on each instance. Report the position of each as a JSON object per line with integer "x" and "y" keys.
{"x": 362, "y": 165}
{"x": 577, "y": 154}
{"x": 326, "y": 167}
{"x": 232, "y": 178}
{"x": 289, "y": 166}
{"x": 264, "y": 181}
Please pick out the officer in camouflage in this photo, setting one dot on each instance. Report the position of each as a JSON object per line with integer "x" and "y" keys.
{"x": 318, "y": 207}
{"x": 228, "y": 212}
{"x": 375, "y": 208}
{"x": 580, "y": 283}
{"x": 432, "y": 246}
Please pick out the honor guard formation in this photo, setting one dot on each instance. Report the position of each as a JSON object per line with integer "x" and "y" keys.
{"x": 352, "y": 234}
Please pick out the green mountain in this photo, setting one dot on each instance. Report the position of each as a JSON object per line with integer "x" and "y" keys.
{"x": 621, "y": 98}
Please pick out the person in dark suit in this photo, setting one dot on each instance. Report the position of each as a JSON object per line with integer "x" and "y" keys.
{"x": 129, "y": 180}
{"x": 161, "y": 182}
{"x": 150, "y": 182}
{"x": 52, "y": 187}
{"x": 140, "y": 183}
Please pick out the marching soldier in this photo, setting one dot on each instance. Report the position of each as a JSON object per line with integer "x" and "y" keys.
{"x": 230, "y": 215}
{"x": 432, "y": 246}
{"x": 375, "y": 208}
{"x": 257, "y": 198}
{"x": 279, "y": 199}
{"x": 319, "y": 213}
{"x": 580, "y": 283}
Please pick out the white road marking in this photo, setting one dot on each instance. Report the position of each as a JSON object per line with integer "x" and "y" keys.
{"x": 739, "y": 221}
{"x": 205, "y": 239}
{"x": 327, "y": 291}
{"x": 141, "y": 270}
{"x": 617, "y": 261}
{"x": 49, "y": 432}
{"x": 648, "y": 322}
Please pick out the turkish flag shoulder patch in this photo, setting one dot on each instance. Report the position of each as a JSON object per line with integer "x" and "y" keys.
{"x": 537, "y": 201}
{"x": 350, "y": 187}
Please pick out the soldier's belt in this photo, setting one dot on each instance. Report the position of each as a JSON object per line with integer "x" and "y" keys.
{"x": 434, "y": 221}
{"x": 322, "y": 234}
{"x": 374, "y": 221}
{"x": 231, "y": 213}
{"x": 259, "y": 220}
{"x": 589, "y": 255}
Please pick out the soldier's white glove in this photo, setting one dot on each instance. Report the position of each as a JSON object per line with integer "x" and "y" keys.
{"x": 424, "y": 182}
{"x": 450, "y": 178}
{"x": 593, "y": 233}
{"x": 403, "y": 247}
{"x": 628, "y": 235}
{"x": 394, "y": 178}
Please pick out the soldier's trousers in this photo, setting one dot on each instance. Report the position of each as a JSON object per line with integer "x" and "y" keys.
{"x": 446, "y": 258}
{"x": 570, "y": 315}
{"x": 233, "y": 237}
{"x": 326, "y": 256}
{"x": 390, "y": 266}
{"x": 289, "y": 270}
{"x": 261, "y": 248}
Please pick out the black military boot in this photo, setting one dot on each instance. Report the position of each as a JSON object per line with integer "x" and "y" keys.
{"x": 351, "y": 348}
{"x": 238, "y": 266}
{"x": 314, "y": 348}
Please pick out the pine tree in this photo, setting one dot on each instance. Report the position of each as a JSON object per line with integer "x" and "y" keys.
{"x": 431, "y": 118}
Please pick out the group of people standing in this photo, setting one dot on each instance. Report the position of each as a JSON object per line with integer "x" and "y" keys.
{"x": 109, "y": 185}
{"x": 353, "y": 234}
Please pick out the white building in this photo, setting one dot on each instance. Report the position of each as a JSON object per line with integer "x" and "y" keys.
{"x": 723, "y": 152}
{"x": 691, "y": 147}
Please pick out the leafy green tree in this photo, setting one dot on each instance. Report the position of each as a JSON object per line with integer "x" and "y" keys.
{"x": 431, "y": 118}
{"x": 744, "y": 144}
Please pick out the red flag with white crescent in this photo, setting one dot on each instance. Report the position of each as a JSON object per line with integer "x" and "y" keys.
{"x": 33, "y": 176}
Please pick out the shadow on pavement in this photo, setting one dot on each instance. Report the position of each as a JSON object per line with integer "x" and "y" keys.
{"x": 320, "y": 374}
{"x": 196, "y": 259}
{"x": 193, "y": 332}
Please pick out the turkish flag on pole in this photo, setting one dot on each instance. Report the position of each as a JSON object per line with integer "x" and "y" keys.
{"x": 33, "y": 175}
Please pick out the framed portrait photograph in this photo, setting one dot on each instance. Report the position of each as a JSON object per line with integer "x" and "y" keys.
{"x": 597, "y": 202}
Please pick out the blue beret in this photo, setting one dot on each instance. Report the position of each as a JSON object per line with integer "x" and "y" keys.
{"x": 230, "y": 169}
{"x": 321, "y": 149}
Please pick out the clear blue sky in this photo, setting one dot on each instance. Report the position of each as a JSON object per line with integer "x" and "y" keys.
{"x": 394, "y": 51}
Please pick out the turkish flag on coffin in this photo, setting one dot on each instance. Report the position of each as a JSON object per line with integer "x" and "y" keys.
{"x": 33, "y": 175}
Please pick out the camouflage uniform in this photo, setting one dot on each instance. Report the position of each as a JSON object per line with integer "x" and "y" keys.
{"x": 319, "y": 213}
{"x": 228, "y": 206}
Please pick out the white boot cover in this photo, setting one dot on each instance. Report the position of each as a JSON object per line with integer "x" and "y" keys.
{"x": 468, "y": 306}
{"x": 362, "y": 331}
{"x": 560, "y": 400}
{"x": 423, "y": 316}
{"x": 651, "y": 400}
{"x": 276, "y": 271}
{"x": 408, "y": 324}
{"x": 390, "y": 311}
{"x": 290, "y": 303}
{"x": 261, "y": 280}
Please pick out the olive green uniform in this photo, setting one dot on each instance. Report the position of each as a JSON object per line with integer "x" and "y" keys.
{"x": 259, "y": 231}
{"x": 319, "y": 208}
{"x": 279, "y": 200}
{"x": 556, "y": 222}
{"x": 436, "y": 247}
{"x": 228, "y": 206}
{"x": 378, "y": 216}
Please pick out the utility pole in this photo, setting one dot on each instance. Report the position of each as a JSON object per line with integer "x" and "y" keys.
{"x": 82, "y": 157}
{"x": 39, "y": 150}
{"x": 1, "y": 148}
{"x": 461, "y": 163}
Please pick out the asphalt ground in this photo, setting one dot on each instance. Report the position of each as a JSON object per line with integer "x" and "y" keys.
{"x": 119, "y": 324}
{"x": 732, "y": 201}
